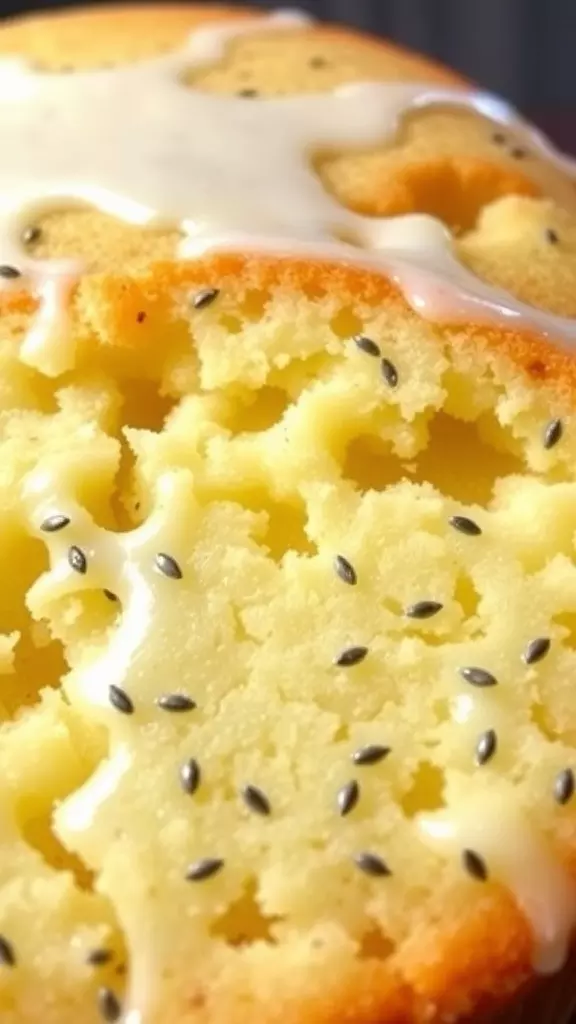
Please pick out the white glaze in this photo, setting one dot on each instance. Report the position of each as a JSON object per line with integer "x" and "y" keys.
{"x": 231, "y": 173}
{"x": 519, "y": 857}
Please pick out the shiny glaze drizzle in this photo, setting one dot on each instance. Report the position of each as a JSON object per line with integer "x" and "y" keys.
{"x": 520, "y": 858}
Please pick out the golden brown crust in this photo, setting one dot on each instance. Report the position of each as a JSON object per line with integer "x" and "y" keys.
{"x": 81, "y": 36}
{"x": 546, "y": 1000}
{"x": 454, "y": 189}
{"x": 365, "y": 993}
{"x": 119, "y": 302}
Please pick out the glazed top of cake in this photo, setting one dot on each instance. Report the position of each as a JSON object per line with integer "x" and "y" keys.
{"x": 235, "y": 172}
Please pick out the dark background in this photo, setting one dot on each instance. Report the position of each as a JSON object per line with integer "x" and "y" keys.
{"x": 523, "y": 49}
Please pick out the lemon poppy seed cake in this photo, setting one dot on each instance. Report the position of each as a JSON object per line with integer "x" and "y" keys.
{"x": 287, "y": 531}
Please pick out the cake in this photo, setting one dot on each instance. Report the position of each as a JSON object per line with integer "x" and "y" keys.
{"x": 288, "y": 450}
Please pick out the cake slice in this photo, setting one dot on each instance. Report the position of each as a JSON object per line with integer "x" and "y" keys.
{"x": 287, "y": 531}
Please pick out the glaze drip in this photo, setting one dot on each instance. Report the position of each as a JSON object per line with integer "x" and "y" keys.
{"x": 521, "y": 859}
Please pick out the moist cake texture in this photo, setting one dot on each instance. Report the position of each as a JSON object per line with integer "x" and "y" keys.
{"x": 286, "y": 536}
